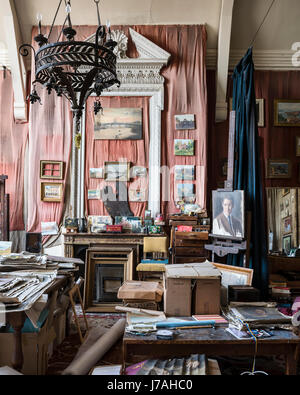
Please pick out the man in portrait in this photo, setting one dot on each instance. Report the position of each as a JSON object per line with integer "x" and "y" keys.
{"x": 225, "y": 224}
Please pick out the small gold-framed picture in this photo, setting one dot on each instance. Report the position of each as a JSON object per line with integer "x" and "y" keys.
{"x": 51, "y": 169}
{"x": 51, "y": 192}
{"x": 117, "y": 171}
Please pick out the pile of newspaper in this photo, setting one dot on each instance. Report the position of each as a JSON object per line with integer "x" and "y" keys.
{"x": 24, "y": 286}
{"x": 26, "y": 260}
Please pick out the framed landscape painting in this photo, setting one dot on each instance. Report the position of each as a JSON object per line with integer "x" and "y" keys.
{"x": 278, "y": 168}
{"x": 185, "y": 191}
{"x": 185, "y": 172}
{"x": 119, "y": 124}
{"x": 117, "y": 171}
{"x": 287, "y": 112}
{"x": 96, "y": 173}
{"x": 184, "y": 147}
{"x": 185, "y": 122}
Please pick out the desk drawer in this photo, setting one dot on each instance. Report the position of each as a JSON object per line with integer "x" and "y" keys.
{"x": 190, "y": 243}
{"x": 190, "y": 251}
{"x": 188, "y": 259}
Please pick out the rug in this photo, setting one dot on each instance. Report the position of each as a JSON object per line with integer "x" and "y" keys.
{"x": 64, "y": 354}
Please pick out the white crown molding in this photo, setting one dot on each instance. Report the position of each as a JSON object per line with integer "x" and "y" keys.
{"x": 4, "y": 59}
{"x": 276, "y": 60}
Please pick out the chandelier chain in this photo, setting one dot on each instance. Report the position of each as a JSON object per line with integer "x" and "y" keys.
{"x": 98, "y": 13}
{"x": 54, "y": 19}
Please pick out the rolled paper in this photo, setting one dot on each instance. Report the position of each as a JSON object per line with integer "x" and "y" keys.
{"x": 184, "y": 324}
{"x": 86, "y": 361}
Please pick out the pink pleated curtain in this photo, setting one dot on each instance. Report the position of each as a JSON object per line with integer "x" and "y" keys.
{"x": 185, "y": 93}
{"x": 13, "y": 137}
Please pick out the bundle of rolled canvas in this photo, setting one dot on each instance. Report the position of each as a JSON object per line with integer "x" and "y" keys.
{"x": 83, "y": 364}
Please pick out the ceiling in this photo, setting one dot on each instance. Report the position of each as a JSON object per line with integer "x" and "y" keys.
{"x": 280, "y": 30}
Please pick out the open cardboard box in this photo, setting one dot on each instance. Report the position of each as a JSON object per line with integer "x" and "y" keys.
{"x": 191, "y": 289}
{"x": 141, "y": 291}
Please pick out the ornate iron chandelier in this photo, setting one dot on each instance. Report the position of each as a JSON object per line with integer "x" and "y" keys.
{"x": 74, "y": 69}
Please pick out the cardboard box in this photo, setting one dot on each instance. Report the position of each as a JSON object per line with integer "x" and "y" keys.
{"x": 207, "y": 296}
{"x": 35, "y": 350}
{"x": 59, "y": 325}
{"x": 141, "y": 290}
{"x": 179, "y": 280}
{"x": 177, "y": 297}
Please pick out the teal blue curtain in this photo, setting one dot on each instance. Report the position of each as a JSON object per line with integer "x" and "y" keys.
{"x": 247, "y": 169}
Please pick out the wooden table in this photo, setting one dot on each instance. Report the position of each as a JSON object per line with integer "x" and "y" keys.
{"x": 211, "y": 342}
{"x": 17, "y": 320}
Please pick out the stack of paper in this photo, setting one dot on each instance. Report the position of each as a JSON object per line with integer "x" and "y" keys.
{"x": 256, "y": 316}
{"x": 22, "y": 261}
{"x": 21, "y": 286}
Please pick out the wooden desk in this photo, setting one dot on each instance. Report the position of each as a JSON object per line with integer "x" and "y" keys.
{"x": 211, "y": 342}
{"x": 17, "y": 320}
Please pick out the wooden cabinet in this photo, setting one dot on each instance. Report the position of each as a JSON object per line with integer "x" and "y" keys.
{"x": 283, "y": 264}
{"x": 189, "y": 247}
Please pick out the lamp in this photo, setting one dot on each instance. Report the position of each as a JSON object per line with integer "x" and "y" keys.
{"x": 73, "y": 69}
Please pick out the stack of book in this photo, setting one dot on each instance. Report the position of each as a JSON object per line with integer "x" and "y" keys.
{"x": 218, "y": 319}
{"x": 256, "y": 316}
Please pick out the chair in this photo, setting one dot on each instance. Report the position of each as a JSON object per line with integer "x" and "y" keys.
{"x": 154, "y": 266}
{"x": 75, "y": 291}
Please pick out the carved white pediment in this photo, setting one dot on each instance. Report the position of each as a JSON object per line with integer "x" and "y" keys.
{"x": 144, "y": 70}
{"x": 147, "y": 49}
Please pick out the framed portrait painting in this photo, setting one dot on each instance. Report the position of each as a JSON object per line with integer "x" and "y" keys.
{"x": 287, "y": 225}
{"x": 228, "y": 214}
{"x": 286, "y": 112}
{"x": 286, "y": 243}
